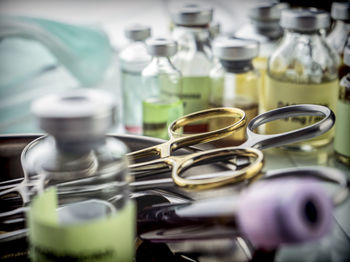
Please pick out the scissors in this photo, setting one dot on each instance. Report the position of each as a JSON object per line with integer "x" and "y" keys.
{"x": 251, "y": 148}
{"x": 12, "y": 222}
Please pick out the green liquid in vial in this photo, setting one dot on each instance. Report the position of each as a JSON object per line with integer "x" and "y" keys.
{"x": 158, "y": 114}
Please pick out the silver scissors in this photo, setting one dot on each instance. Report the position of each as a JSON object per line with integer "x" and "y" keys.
{"x": 250, "y": 148}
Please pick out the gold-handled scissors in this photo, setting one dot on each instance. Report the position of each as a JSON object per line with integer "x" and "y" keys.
{"x": 249, "y": 149}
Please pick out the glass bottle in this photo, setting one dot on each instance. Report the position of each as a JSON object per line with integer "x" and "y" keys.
{"x": 342, "y": 129}
{"x": 133, "y": 59}
{"x": 303, "y": 69}
{"x": 338, "y": 37}
{"x": 162, "y": 85}
{"x": 234, "y": 83}
{"x": 264, "y": 27}
{"x": 78, "y": 181}
{"x": 193, "y": 58}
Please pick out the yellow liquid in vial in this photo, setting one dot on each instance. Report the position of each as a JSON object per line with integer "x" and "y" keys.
{"x": 279, "y": 93}
{"x": 239, "y": 136}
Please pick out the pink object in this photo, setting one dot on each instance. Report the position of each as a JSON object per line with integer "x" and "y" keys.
{"x": 274, "y": 212}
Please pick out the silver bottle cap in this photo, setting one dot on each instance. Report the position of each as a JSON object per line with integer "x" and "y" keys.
{"x": 304, "y": 19}
{"x": 347, "y": 55}
{"x": 235, "y": 49}
{"x": 137, "y": 32}
{"x": 161, "y": 47}
{"x": 78, "y": 114}
{"x": 267, "y": 11}
{"x": 340, "y": 11}
{"x": 192, "y": 15}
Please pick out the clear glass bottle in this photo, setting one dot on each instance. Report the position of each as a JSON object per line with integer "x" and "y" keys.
{"x": 234, "y": 83}
{"x": 264, "y": 27}
{"x": 78, "y": 181}
{"x": 342, "y": 128}
{"x": 162, "y": 87}
{"x": 133, "y": 59}
{"x": 303, "y": 69}
{"x": 194, "y": 58}
{"x": 339, "y": 37}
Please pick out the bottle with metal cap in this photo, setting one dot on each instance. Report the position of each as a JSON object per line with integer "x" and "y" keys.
{"x": 162, "y": 88}
{"x": 265, "y": 28}
{"x": 133, "y": 59}
{"x": 303, "y": 69}
{"x": 339, "y": 37}
{"x": 194, "y": 57}
{"x": 78, "y": 180}
{"x": 234, "y": 82}
{"x": 342, "y": 128}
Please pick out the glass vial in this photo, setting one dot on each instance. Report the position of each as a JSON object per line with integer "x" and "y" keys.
{"x": 133, "y": 59}
{"x": 162, "y": 87}
{"x": 303, "y": 69}
{"x": 265, "y": 28}
{"x": 79, "y": 181}
{"x": 338, "y": 38}
{"x": 234, "y": 83}
{"x": 342, "y": 129}
{"x": 193, "y": 58}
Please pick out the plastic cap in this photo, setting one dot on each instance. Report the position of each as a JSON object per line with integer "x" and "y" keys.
{"x": 235, "y": 49}
{"x": 137, "y": 32}
{"x": 340, "y": 11}
{"x": 161, "y": 47}
{"x": 76, "y": 114}
{"x": 284, "y": 211}
{"x": 304, "y": 19}
{"x": 347, "y": 55}
{"x": 192, "y": 15}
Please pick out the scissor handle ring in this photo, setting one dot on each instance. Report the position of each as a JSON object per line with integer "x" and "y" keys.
{"x": 264, "y": 141}
{"x": 207, "y": 114}
{"x": 234, "y": 176}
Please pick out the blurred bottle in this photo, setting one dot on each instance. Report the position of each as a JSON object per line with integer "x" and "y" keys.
{"x": 79, "y": 180}
{"x": 234, "y": 82}
{"x": 265, "y": 28}
{"x": 162, "y": 88}
{"x": 133, "y": 59}
{"x": 214, "y": 29}
{"x": 338, "y": 38}
{"x": 193, "y": 58}
{"x": 342, "y": 129}
{"x": 303, "y": 69}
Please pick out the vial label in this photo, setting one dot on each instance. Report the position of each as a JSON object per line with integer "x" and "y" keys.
{"x": 195, "y": 97}
{"x": 108, "y": 238}
{"x": 342, "y": 129}
{"x": 279, "y": 94}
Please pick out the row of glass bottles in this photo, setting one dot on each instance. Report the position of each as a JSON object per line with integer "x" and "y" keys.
{"x": 192, "y": 59}
{"x": 302, "y": 69}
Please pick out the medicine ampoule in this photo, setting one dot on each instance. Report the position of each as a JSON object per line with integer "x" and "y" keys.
{"x": 133, "y": 59}
{"x": 194, "y": 58}
{"x": 234, "y": 83}
{"x": 342, "y": 128}
{"x": 162, "y": 85}
{"x": 302, "y": 70}
{"x": 265, "y": 28}
{"x": 339, "y": 37}
{"x": 78, "y": 181}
